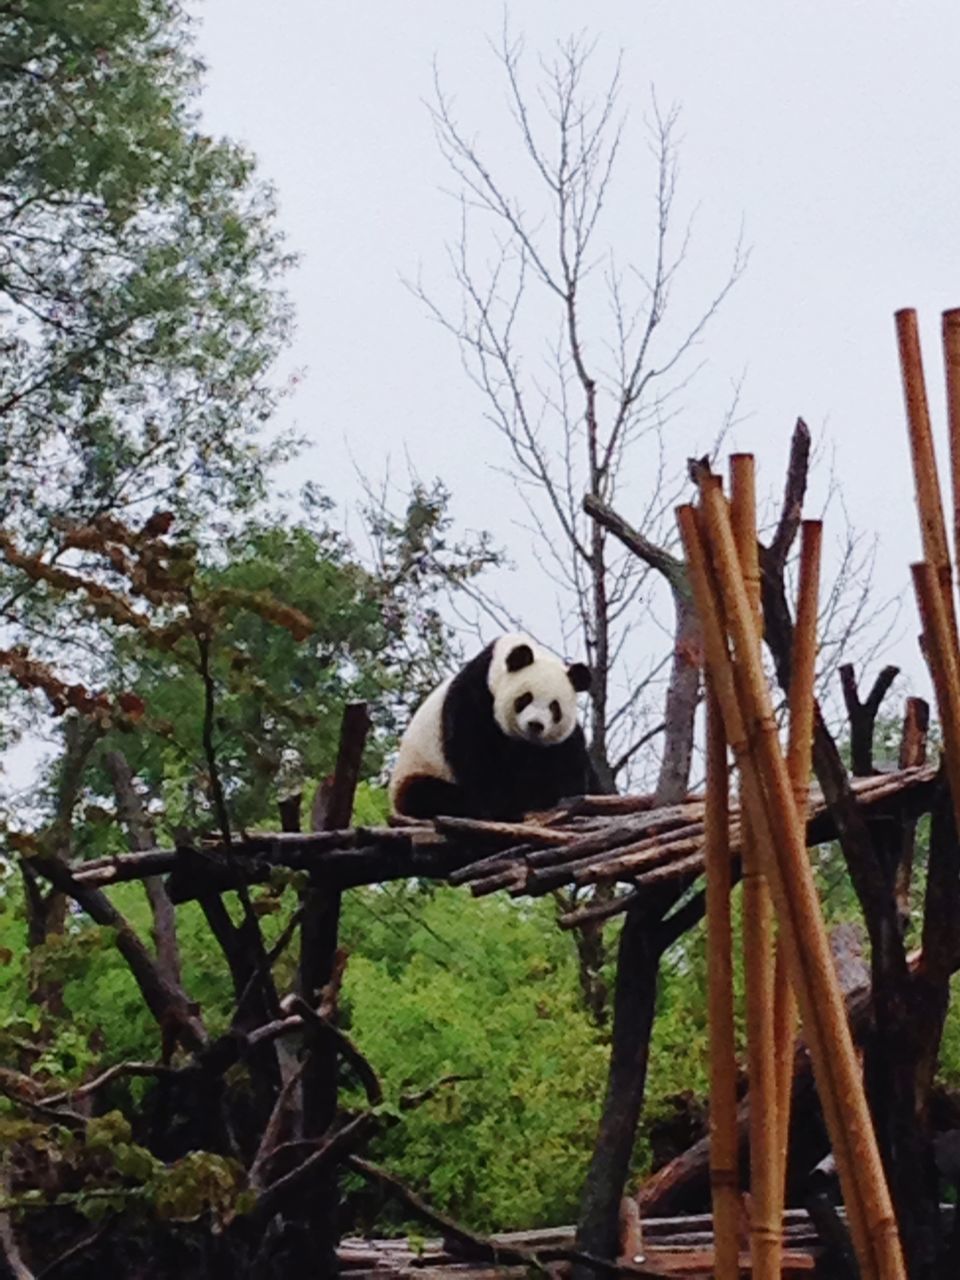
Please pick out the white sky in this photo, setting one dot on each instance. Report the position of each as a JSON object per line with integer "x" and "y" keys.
{"x": 830, "y": 130}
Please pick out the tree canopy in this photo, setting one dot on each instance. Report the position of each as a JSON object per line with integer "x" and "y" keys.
{"x": 140, "y": 265}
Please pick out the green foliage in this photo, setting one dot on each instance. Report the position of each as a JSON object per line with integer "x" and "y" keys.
{"x": 280, "y": 693}
{"x": 437, "y": 985}
{"x": 371, "y": 805}
{"x": 139, "y": 315}
{"x": 104, "y": 1017}
{"x": 117, "y": 1175}
{"x": 279, "y": 690}
{"x": 949, "y": 1062}
{"x": 419, "y": 563}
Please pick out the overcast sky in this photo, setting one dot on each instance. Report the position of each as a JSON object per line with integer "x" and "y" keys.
{"x": 829, "y": 130}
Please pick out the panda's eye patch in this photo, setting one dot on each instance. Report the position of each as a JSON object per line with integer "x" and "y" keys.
{"x": 522, "y": 702}
{"x": 555, "y": 711}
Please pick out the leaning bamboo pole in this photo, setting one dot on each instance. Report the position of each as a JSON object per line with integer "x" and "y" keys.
{"x": 950, "y": 329}
{"x": 923, "y": 456}
{"x": 757, "y": 942}
{"x": 768, "y": 796}
{"x": 932, "y": 578}
{"x": 799, "y": 757}
{"x": 724, "y": 1186}
{"x": 944, "y": 664}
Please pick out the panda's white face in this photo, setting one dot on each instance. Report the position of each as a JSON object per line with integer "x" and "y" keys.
{"x": 534, "y": 693}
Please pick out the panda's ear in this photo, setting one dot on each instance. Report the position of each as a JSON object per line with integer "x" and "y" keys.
{"x": 580, "y": 677}
{"x": 520, "y": 656}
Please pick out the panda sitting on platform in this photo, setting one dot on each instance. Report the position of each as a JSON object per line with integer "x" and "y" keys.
{"x": 497, "y": 740}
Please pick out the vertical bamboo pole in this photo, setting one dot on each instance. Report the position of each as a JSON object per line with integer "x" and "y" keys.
{"x": 723, "y": 1064}
{"x": 758, "y": 967}
{"x": 950, "y": 322}
{"x": 799, "y": 757}
{"x": 929, "y": 505}
{"x": 782, "y": 843}
{"x": 944, "y": 663}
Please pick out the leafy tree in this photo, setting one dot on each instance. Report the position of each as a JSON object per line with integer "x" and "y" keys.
{"x": 139, "y": 263}
{"x": 280, "y": 693}
{"x": 348, "y": 631}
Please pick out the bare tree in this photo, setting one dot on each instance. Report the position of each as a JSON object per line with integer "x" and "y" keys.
{"x": 577, "y": 422}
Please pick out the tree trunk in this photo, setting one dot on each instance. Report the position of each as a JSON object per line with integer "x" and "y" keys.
{"x": 638, "y": 964}
{"x": 132, "y": 814}
{"x": 683, "y": 694}
{"x": 46, "y": 916}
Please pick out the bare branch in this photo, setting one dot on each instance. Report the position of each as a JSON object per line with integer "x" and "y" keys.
{"x": 669, "y": 566}
{"x": 863, "y": 715}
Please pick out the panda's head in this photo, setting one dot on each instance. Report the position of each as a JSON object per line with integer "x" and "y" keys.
{"x": 534, "y": 692}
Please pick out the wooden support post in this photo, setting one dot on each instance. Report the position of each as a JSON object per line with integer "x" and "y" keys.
{"x": 319, "y": 933}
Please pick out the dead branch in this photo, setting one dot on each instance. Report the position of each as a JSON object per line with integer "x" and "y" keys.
{"x": 685, "y": 1180}
{"x": 333, "y": 1149}
{"x": 410, "y": 1101}
{"x": 273, "y": 1128}
{"x": 913, "y": 755}
{"x": 656, "y": 557}
{"x": 167, "y": 1003}
{"x": 345, "y": 1046}
{"x": 863, "y": 715}
{"x": 483, "y": 1248}
{"x": 318, "y": 976}
{"x": 795, "y": 488}
{"x": 8, "y": 1240}
{"x": 120, "y": 1069}
{"x": 856, "y": 842}
{"x": 75, "y": 1250}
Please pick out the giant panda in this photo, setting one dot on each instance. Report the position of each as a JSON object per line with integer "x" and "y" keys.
{"x": 498, "y": 739}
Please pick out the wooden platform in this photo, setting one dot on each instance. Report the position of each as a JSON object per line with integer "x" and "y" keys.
{"x": 673, "y": 1247}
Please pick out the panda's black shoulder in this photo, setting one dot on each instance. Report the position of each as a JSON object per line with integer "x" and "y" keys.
{"x": 472, "y": 677}
{"x": 468, "y": 708}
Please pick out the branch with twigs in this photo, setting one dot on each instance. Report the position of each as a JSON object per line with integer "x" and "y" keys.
{"x": 469, "y": 1244}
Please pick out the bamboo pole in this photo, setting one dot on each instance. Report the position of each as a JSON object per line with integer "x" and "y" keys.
{"x": 724, "y": 1186}
{"x": 781, "y": 841}
{"x": 944, "y": 664}
{"x": 808, "y": 953}
{"x": 799, "y": 757}
{"x": 950, "y": 328}
{"x": 923, "y": 456}
{"x": 718, "y": 663}
{"x": 758, "y": 944}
